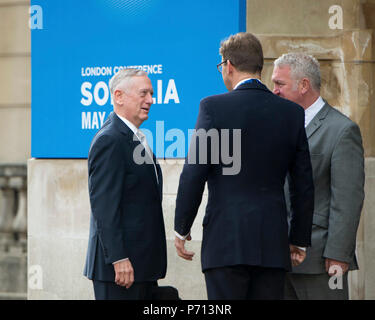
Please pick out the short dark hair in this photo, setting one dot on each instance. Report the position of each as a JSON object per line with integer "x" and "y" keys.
{"x": 244, "y": 51}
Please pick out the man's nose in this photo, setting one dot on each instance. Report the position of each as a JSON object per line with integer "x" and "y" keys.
{"x": 276, "y": 91}
{"x": 149, "y": 99}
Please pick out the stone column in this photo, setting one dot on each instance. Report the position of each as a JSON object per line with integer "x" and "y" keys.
{"x": 13, "y": 260}
{"x": 19, "y": 225}
{"x": 6, "y": 213}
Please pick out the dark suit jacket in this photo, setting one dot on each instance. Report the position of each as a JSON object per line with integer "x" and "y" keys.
{"x": 126, "y": 212}
{"x": 337, "y": 158}
{"x": 246, "y": 216}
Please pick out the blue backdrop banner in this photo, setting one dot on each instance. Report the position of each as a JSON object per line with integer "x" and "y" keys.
{"x": 77, "y": 46}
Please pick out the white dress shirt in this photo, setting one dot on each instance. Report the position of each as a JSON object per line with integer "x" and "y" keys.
{"x": 313, "y": 110}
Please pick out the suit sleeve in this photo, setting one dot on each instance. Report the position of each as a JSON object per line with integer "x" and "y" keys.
{"x": 347, "y": 195}
{"x": 106, "y": 176}
{"x": 193, "y": 176}
{"x": 301, "y": 189}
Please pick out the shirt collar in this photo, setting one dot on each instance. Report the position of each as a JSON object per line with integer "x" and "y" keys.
{"x": 131, "y": 126}
{"x": 243, "y": 81}
{"x": 312, "y": 111}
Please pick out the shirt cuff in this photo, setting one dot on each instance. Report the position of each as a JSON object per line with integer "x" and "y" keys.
{"x": 301, "y": 248}
{"x": 120, "y": 260}
{"x": 180, "y": 236}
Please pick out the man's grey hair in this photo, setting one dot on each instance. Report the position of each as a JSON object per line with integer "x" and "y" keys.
{"x": 123, "y": 78}
{"x": 301, "y": 66}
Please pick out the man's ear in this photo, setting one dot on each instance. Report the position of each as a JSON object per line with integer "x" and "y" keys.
{"x": 118, "y": 97}
{"x": 305, "y": 85}
{"x": 229, "y": 66}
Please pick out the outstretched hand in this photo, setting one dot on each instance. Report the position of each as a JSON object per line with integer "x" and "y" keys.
{"x": 180, "y": 247}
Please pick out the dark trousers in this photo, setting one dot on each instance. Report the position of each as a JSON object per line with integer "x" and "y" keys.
{"x": 111, "y": 291}
{"x": 244, "y": 282}
{"x": 138, "y": 291}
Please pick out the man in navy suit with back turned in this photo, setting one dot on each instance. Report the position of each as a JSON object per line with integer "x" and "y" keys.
{"x": 246, "y": 249}
{"x": 127, "y": 247}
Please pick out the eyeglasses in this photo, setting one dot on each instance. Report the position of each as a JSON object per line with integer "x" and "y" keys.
{"x": 220, "y": 66}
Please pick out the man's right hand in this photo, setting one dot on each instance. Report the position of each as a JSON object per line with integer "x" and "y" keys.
{"x": 124, "y": 273}
{"x": 296, "y": 255}
{"x": 180, "y": 247}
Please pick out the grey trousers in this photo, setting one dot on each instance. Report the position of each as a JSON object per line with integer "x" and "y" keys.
{"x": 315, "y": 287}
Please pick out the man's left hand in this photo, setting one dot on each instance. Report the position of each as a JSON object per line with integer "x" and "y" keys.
{"x": 333, "y": 265}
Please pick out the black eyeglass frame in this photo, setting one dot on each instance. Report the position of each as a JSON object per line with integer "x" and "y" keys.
{"x": 219, "y": 65}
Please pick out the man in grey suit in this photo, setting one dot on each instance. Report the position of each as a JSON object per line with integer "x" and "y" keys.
{"x": 338, "y": 171}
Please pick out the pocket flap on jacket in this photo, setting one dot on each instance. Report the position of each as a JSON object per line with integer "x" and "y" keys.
{"x": 320, "y": 220}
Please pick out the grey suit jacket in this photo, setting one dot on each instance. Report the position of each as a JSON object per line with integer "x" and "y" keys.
{"x": 338, "y": 171}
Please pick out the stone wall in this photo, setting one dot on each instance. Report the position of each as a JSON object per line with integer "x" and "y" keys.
{"x": 15, "y": 82}
{"x": 347, "y": 55}
{"x": 58, "y": 229}
{"x": 15, "y": 124}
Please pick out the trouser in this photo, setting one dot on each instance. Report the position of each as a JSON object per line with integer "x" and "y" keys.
{"x": 111, "y": 291}
{"x": 316, "y": 287}
{"x": 242, "y": 282}
{"x": 138, "y": 291}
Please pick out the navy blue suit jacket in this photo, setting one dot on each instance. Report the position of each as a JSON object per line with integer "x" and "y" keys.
{"x": 126, "y": 207}
{"x": 246, "y": 217}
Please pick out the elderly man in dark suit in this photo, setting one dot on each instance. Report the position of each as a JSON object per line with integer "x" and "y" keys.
{"x": 127, "y": 246}
{"x": 338, "y": 170}
{"x": 246, "y": 250}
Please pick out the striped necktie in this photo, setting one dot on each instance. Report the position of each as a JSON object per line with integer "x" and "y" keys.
{"x": 142, "y": 138}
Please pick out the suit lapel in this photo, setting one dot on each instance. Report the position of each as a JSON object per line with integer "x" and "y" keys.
{"x": 122, "y": 127}
{"x": 313, "y": 126}
{"x": 160, "y": 177}
{"x": 151, "y": 168}
{"x": 134, "y": 143}
{"x": 317, "y": 121}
